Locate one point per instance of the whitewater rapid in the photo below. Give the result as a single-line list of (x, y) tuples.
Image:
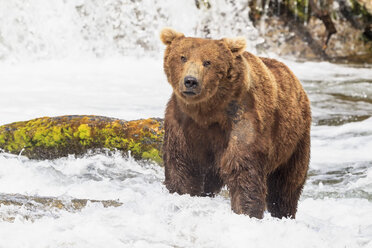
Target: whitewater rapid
[(104, 58), (335, 209)]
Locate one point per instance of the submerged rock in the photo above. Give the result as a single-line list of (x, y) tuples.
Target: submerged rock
[(35, 207), (54, 137)]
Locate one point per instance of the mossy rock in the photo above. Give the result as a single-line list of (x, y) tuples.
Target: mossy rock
[(54, 137)]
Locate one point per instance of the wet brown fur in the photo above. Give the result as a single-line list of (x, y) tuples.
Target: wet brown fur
[(249, 128)]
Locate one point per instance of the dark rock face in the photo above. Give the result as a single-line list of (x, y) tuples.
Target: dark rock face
[(368, 32), (335, 30)]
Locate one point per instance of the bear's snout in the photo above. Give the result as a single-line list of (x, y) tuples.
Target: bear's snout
[(191, 84)]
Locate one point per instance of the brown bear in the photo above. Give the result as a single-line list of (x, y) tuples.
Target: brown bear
[(234, 119)]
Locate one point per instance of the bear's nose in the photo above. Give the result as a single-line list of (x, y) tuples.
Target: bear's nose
[(190, 82)]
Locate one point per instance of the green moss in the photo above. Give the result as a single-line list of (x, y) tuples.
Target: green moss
[(67, 132), (84, 134), (116, 142), (59, 136), (20, 140), (134, 147), (153, 155), (112, 137), (2, 139), (49, 135)]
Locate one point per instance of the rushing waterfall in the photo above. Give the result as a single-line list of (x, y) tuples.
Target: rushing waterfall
[(306, 11), (37, 29)]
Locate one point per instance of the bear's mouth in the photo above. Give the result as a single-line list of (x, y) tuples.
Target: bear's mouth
[(188, 93)]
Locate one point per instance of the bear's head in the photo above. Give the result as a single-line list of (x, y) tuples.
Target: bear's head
[(199, 68)]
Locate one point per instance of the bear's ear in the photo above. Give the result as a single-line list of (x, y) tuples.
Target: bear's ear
[(236, 45), (167, 35)]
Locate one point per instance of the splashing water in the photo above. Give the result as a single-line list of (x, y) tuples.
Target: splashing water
[(35, 29), (334, 210), (306, 12), (78, 46)]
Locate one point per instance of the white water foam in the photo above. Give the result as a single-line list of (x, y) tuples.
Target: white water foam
[(150, 216), (66, 38), (329, 215), (351, 142)]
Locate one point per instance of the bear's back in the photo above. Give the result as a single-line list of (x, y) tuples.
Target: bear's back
[(292, 115), (286, 81)]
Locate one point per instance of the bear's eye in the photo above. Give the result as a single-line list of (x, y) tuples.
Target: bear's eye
[(183, 59), (206, 63)]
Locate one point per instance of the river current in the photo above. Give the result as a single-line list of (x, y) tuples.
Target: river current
[(104, 58), (335, 209)]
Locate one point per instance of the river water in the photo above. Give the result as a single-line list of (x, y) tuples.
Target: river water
[(335, 209), (103, 58)]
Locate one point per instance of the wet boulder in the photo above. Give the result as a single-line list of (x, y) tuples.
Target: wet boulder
[(54, 137)]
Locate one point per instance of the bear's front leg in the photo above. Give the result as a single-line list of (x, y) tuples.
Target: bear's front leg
[(182, 174), (243, 171), (247, 187)]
